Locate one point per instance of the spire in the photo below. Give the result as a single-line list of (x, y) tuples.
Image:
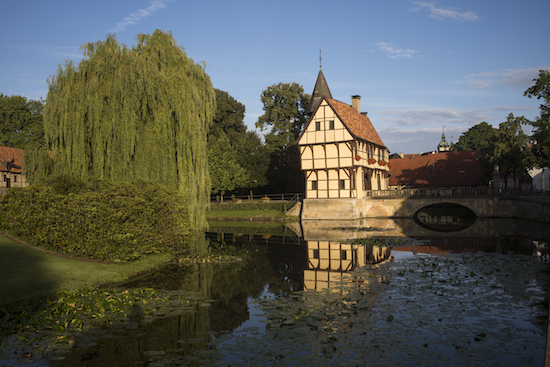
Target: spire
[(321, 90), (443, 146)]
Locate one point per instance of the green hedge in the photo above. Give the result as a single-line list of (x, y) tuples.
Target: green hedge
[(99, 220), (279, 206)]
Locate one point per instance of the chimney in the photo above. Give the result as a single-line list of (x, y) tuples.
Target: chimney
[(402, 155), (356, 103)]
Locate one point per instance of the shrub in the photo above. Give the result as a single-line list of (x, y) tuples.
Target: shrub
[(99, 220)]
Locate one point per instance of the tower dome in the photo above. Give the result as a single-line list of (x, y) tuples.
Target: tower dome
[(443, 146)]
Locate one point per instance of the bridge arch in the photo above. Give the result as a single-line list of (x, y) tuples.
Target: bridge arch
[(433, 201)]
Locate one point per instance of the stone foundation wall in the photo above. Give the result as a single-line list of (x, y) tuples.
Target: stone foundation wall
[(526, 208)]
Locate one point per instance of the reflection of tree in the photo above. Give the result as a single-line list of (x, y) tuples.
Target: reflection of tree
[(160, 335), (288, 263), (285, 263)]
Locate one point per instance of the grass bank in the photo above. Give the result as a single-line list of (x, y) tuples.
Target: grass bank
[(255, 211), (29, 273)]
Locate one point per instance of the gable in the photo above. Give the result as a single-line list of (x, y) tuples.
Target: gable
[(348, 125), (324, 127)]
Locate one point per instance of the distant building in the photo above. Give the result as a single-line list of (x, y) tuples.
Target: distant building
[(541, 179), (446, 169), (11, 167)]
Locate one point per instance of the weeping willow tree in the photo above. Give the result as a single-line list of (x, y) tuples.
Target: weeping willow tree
[(124, 114)]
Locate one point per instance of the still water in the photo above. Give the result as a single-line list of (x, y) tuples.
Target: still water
[(381, 292)]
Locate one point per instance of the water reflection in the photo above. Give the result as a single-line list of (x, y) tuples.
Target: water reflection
[(330, 294), (330, 262), (445, 217)]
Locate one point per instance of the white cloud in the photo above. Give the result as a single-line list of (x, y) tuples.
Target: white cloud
[(397, 53), (136, 17), (426, 118), (514, 78), (445, 14)]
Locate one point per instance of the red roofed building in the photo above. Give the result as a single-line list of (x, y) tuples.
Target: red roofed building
[(447, 169), (11, 167), (341, 153)]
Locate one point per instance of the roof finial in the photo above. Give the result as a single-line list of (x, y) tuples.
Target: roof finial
[(319, 58)]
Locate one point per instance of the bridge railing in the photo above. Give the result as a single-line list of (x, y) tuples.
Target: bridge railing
[(431, 192)]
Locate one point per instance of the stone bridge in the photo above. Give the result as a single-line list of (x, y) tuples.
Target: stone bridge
[(405, 204)]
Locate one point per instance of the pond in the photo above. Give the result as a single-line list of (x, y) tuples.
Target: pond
[(381, 292)]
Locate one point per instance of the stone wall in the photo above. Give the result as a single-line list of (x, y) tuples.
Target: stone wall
[(527, 208)]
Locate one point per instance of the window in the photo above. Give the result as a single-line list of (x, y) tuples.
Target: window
[(352, 183), (314, 185), (317, 125), (331, 125), (342, 184), (315, 253), (14, 178), (343, 255)]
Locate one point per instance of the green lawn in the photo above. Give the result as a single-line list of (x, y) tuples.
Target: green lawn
[(27, 273), (244, 214)]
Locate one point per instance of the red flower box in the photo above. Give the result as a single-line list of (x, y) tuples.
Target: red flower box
[(357, 157), (372, 160), (382, 163)]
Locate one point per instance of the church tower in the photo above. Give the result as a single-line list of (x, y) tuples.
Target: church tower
[(443, 146)]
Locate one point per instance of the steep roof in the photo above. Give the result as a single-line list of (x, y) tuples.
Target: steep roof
[(11, 159), (320, 90), (358, 124), (449, 169)]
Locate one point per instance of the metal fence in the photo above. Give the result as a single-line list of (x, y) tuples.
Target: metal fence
[(431, 192), (258, 198), (396, 193), (454, 192)]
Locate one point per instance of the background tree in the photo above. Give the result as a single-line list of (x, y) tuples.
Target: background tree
[(508, 149), (237, 157), (20, 121), (284, 105), (477, 137), (541, 125), (225, 172), (124, 114), (284, 111)]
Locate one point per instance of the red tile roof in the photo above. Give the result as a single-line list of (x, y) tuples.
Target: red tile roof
[(449, 169), (12, 158), (359, 125)]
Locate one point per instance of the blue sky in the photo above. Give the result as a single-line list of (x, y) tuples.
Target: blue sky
[(418, 65)]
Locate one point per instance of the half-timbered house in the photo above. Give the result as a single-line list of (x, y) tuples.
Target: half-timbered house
[(341, 153)]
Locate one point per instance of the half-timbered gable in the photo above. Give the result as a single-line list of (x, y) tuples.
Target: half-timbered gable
[(341, 153)]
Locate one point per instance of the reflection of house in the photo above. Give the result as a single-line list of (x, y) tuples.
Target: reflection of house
[(340, 151), (328, 261), (446, 169), (11, 160)]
